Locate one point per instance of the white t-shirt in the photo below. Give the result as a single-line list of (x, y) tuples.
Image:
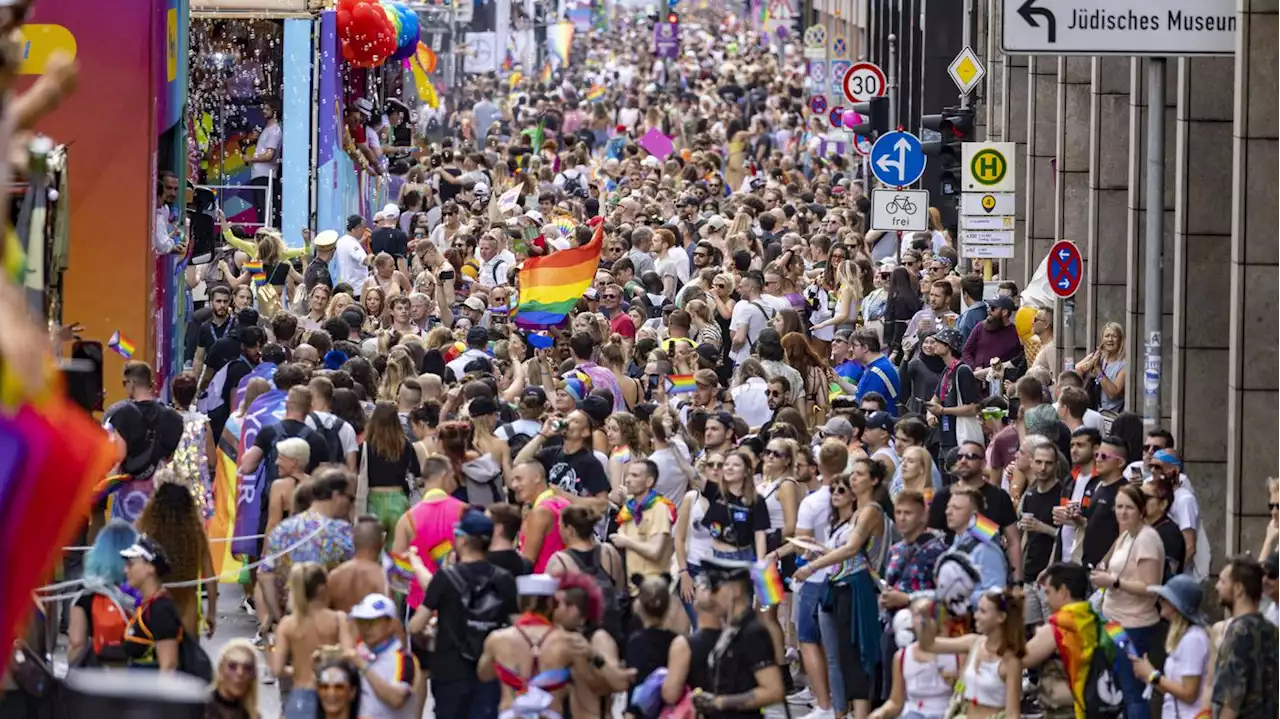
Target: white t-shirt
[(1069, 530), (755, 316), (672, 483), (815, 516), (349, 256), (750, 401), (674, 263), (271, 138), (1189, 659)]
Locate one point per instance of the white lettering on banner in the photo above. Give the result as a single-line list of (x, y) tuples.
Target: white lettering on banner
[(248, 492)]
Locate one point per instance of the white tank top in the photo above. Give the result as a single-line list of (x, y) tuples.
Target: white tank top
[(698, 543), (982, 683), (769, 490), (928, 694)]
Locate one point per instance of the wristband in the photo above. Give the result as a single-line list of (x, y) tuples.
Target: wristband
[(1155, 677)]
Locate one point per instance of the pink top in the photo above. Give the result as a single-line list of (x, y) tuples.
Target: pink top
[(553, 542), (433, 534)]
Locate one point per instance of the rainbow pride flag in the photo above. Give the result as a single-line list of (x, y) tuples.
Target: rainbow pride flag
[(544, 77), (560, 40), (1077, 636), (680, 384), (767, 581), (596, 93), (122, 345), (550, 286), (984, 529)]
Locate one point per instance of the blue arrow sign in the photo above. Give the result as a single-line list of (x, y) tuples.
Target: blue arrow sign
[(1065, 268), (897, 159)]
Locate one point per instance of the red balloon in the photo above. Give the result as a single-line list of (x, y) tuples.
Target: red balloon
[(344, 21), (348, 54), (363, 12)]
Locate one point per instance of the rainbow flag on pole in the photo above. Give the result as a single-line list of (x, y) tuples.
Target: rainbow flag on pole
[(596, 93), (121, 345), (560, 40), (767, 581), (551, 285), (984, 529)]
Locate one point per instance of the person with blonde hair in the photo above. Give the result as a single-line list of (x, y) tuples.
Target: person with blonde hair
[(235, 683), (1106, 366), (310, 626), (292, 457), (337, 303), (915, 472)]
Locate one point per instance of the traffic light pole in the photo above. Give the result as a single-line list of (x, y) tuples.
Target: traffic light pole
[(1153, 306), (891, 91)]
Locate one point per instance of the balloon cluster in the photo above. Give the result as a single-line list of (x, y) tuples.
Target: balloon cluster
[(375, 32)]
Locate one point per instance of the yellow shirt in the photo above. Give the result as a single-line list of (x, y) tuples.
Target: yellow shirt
[(652, 523)]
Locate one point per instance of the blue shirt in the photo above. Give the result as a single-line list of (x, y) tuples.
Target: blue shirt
[(988, 557), (871, 382), (971, 317), (850, 370)]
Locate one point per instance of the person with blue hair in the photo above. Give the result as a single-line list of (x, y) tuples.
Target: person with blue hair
[(104, 594)]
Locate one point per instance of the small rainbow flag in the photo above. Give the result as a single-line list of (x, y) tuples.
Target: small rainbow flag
[(1116, 632), (441, 552), (622, 454), (680, 384), (596, 93), (107, 485), (544, 77), (768, 584), (401, 563), (253, 266), (984, 529), (551, 285), (121, 345)]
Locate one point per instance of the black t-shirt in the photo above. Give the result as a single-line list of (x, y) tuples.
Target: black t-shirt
[(701, 643), (580, 473), (210, 333), (389, 240), (161, 620), (646, 651), (443, 598), (731, 520), (1037, 548), (999, 508), (286, 428), (391, 473), (510, 560), (1175, 546), (1098, 505), (735, 670), (956, 388), (449, 190)]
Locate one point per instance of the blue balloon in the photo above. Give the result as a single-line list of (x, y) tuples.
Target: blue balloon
[(407, 39)]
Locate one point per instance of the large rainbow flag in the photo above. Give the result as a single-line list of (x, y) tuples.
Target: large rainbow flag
[(1077, 630), (550, 286), (560, 41)]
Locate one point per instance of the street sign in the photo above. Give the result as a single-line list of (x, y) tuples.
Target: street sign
[(839, 47), (988, 203), (966, 71), (1066, 268), (666, 40), (815, 42), (986, 237), (900, 210), (897, 159), (818, 74), (835, 75), (818, 103), (863, 81), (835, 118), (862, 145), (987, 252), (983, 222), (1119, 27), (988, 167)]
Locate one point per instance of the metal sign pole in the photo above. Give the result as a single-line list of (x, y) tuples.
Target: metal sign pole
[(1153, 307), (967, 35)]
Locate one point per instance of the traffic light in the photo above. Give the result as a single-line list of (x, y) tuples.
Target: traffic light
[(875, 117), (954, 126), (673, 18)]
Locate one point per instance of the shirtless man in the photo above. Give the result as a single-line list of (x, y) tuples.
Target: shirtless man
[(540, 534), (310, 626), (598, 674), (539, 682), (361, 575)]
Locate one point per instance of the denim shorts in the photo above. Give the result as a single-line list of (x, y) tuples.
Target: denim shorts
[(810, 596)]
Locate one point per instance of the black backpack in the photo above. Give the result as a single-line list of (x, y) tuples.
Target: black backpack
[(332, 437), (1102, 693), (483, 609), (617, 600)]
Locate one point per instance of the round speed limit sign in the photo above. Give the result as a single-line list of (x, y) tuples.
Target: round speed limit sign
[(863, 81)]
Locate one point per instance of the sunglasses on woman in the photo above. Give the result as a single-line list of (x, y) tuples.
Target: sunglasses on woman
[(839, 489), (235, 667)]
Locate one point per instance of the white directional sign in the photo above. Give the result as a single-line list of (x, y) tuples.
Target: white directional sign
[(986, 252), (1119, 27), (986, 237), (982, 222), (900, 210)]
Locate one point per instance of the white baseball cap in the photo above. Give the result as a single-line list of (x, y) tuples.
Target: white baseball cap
[(390, 211), (374, 606)]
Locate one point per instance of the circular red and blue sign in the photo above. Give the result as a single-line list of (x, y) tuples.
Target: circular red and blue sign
[(818, 104), (836, 116), (1066, 268)]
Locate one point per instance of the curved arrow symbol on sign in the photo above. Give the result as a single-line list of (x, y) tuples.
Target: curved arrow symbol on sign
[(1029, 11), (902, 146)]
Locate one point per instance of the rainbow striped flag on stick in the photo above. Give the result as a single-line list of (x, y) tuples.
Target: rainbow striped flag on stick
[(551, 285), (121, 345), (984, 529), (768, 584)]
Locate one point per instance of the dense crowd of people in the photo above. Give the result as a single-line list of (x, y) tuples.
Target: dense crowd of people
[(769, 456)]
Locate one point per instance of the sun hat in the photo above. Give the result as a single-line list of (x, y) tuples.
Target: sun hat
[(1185, 594)]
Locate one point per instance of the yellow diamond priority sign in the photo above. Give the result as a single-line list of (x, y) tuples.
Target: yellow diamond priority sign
[(965, 71)]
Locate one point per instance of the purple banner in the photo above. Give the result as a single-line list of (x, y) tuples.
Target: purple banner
[(266, 410), (666, 40)]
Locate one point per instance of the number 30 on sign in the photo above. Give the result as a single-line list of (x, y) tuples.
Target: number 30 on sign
[(863, 81)]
